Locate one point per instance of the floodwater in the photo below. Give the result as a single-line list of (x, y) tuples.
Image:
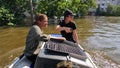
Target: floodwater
[(101, 35), (98, 35)]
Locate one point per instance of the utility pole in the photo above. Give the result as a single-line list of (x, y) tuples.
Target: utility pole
[(31, 11)]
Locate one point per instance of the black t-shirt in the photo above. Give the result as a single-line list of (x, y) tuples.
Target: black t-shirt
[(68, 36)]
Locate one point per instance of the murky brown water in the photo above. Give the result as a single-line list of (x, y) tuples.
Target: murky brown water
[(98, 35), (101, 36)]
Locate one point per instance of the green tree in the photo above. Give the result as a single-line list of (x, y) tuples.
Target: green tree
[(85, 5), (55, 7), (49, 7), (118, 10), (52, 7), (5, 16), (113, 10), (16, 7)]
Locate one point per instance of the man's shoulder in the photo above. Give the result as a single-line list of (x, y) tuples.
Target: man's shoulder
[(61, 22), (72, 22)]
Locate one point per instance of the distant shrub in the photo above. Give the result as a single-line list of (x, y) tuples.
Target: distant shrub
[(5, 16)]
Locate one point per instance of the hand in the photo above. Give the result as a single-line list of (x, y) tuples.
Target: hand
[(67, 29), (62, 38)]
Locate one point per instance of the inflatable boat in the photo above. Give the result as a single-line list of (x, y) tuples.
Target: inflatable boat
[(57, 54)]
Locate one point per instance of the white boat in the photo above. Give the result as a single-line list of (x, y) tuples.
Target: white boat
[(53, 53)]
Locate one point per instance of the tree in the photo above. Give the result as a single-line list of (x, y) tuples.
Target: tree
[(57, 8), (85, 5), (5, 16), (52, 7), (110, 9), (49, 7), (16, 7), (113, 10), (118, 10)]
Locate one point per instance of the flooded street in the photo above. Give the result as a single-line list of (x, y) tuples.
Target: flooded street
[(100, 36)]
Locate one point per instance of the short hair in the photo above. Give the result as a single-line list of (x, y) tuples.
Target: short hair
[(67, 13)]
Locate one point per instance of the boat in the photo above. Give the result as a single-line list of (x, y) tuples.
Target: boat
[(55, 53)]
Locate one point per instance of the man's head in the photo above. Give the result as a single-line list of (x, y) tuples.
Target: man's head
[(68, 12), (69, 15)]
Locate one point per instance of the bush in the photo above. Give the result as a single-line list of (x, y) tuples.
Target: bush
[(5, 16)]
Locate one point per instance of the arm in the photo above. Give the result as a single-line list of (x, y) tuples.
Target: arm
[(59, 28), (57, 38), (75, 36), (45, 38), (66, 29)]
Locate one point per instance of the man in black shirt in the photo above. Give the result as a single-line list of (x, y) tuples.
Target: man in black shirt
[(67, 27)]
